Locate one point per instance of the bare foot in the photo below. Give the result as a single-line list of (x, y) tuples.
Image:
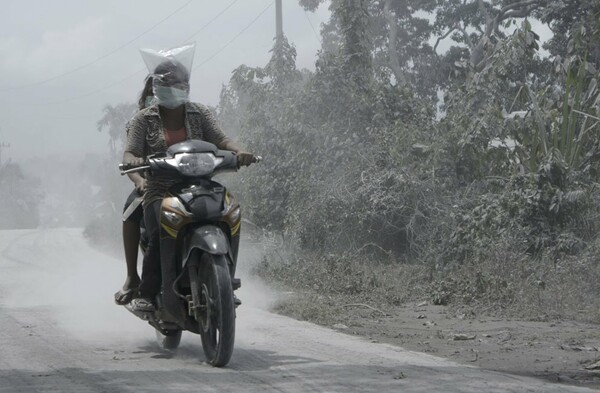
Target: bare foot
[(128, 292)]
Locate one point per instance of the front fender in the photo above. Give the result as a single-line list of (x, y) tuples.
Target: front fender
[(208, 238)]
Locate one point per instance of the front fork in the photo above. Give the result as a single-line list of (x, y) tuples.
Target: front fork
[(198, 302), (196, 307), (235, 246)]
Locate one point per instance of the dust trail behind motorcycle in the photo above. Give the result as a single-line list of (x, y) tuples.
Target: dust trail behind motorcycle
[(61, 332), (57, 269)]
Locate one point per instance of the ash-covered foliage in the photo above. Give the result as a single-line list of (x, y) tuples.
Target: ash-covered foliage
[(105, 213), (478, 162), (20, 195)]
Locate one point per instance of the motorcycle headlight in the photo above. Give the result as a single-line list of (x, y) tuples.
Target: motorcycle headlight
[(197, 164)]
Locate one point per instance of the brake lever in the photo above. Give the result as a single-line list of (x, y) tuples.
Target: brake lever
[(124, 170)]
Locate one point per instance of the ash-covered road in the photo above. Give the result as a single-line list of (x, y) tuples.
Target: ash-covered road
[(60, 332)]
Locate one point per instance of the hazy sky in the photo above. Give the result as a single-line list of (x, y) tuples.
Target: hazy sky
[(62, 61)]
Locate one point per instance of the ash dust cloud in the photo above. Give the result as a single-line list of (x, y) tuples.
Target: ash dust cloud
[(66, 258)]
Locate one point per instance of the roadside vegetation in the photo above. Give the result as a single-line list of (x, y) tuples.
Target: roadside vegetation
[(399, 171), (440, 151), (20, 196)]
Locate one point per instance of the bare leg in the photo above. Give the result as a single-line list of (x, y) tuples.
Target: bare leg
[(131, 241)]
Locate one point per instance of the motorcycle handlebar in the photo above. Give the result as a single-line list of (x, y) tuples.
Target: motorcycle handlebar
[(254, 160), (130, 168)]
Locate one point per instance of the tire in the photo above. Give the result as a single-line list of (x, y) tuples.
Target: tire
[(217, 326), (169, 341)]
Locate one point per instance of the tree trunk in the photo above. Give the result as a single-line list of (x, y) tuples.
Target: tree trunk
[(392, 49)]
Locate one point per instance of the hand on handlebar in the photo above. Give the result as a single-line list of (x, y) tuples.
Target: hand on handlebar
[(245, 158), (133, 161), (131, 164)]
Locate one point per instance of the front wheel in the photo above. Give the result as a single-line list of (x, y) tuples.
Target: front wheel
[(169, 341), (217, 319)]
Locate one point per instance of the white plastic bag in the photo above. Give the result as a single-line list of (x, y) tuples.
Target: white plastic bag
[(182, 54), (170, 70)]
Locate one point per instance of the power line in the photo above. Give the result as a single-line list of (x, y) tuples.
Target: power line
[(88, 94), (312, 27), (116, 83), (142, 69), (210, 21), (235, 37), (99, 58)]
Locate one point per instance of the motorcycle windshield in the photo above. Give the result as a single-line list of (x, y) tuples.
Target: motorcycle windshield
[(191, 146)]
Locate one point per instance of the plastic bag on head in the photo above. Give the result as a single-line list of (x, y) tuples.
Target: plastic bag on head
[(170, 71), (183, 55)]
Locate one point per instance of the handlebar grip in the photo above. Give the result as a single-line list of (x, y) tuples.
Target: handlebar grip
[(253, 160), (128, 168)]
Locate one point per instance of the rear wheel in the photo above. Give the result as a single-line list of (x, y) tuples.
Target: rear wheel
[(170, 340), (217, 316)]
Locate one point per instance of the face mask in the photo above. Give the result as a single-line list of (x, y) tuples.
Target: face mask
[(150, 100), (171, 97)]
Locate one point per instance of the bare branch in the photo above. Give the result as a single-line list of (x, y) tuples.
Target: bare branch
[(585, 114), (465, 34), (519, 5), (388, 253), (484, 11), (518, 13), (519, 9), (367, 306), (437, 42)]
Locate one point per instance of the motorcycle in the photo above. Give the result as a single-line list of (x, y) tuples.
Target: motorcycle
[(199, 241)]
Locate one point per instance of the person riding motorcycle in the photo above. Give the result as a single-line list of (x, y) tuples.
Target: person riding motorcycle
[(152, 130), (131, 227)]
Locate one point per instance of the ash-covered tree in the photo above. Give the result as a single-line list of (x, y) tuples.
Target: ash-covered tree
[(114, 120), (330, 131), (477, 24), (566, 18), (113, 189), (257, 100), (20, 195)]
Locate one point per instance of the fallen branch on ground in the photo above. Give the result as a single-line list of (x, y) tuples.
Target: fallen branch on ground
[(367, 306)]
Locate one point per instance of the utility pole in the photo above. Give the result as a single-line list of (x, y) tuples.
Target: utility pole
[(279, 19), (3, 146)]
